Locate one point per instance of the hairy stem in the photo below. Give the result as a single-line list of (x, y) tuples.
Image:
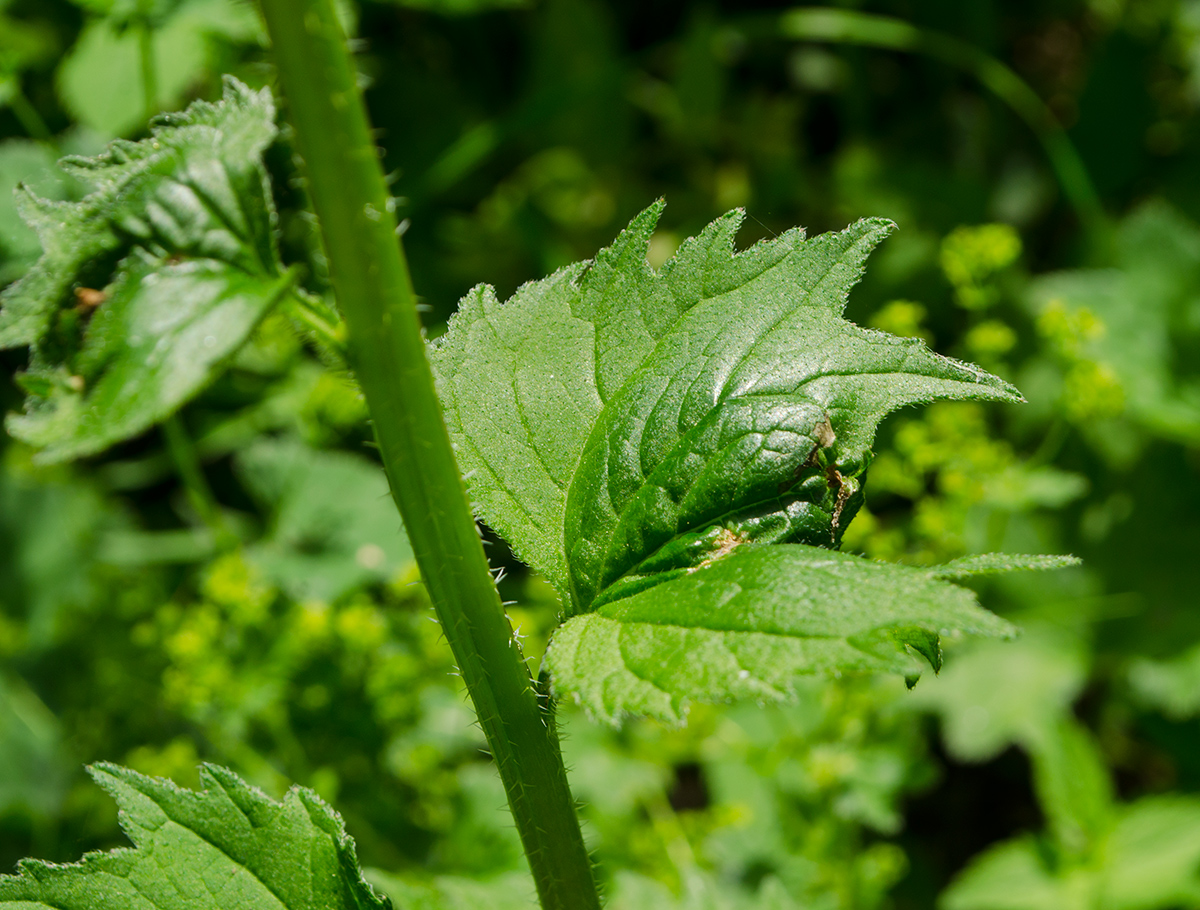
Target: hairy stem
[(387, 352)]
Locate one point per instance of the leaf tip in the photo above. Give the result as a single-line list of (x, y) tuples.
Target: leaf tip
[(983, 564), (103, 770)]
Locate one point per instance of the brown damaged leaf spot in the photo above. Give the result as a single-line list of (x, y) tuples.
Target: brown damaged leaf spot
[(725, 542), (87, 299), (844, 488), (825, 438)]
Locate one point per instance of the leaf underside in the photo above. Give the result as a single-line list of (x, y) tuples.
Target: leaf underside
[(638, 435), (226, 845), (149, 284)]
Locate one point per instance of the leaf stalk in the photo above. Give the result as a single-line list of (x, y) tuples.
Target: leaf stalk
[(183, 453)]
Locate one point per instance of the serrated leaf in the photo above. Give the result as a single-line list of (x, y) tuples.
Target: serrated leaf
[(147, 285), (640, 436), (747, 624), (22, 161), (226, 845), (620, 425), (159, 338), (195, 188), (999, 563)]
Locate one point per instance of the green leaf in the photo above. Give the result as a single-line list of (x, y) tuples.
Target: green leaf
[(1012, 876), (333, 524), (621, 426), (149, 284), (998, 563), (638, 436), (28, 162), (162, 334), (1155, 854), (746, 625), (100, 79), (1171, 685), (226, 845), (1148, 862), (1138, 321), (1043, 674), (1073, 785)]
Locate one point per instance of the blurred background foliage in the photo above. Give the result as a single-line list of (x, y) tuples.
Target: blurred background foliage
[(1040, 159)]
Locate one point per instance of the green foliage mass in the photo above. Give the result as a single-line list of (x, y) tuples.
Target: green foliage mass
[(334, 528), (1057, 769), (1123, 364), (147, 285)]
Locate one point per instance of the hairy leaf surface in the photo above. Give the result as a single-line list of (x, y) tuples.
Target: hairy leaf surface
[(621, 425), (226, 845), (747, 624), (641, 436), (147, 285)]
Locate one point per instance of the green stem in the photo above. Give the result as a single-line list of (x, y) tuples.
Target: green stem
[(848, 27), (145, 35), (199, 493), (324, 325), (28, 115), (387, 352), (1051, 444)]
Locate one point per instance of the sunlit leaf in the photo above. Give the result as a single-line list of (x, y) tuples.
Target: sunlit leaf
[(624, 428), (749, 623), (148, 285), (226, 845)]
